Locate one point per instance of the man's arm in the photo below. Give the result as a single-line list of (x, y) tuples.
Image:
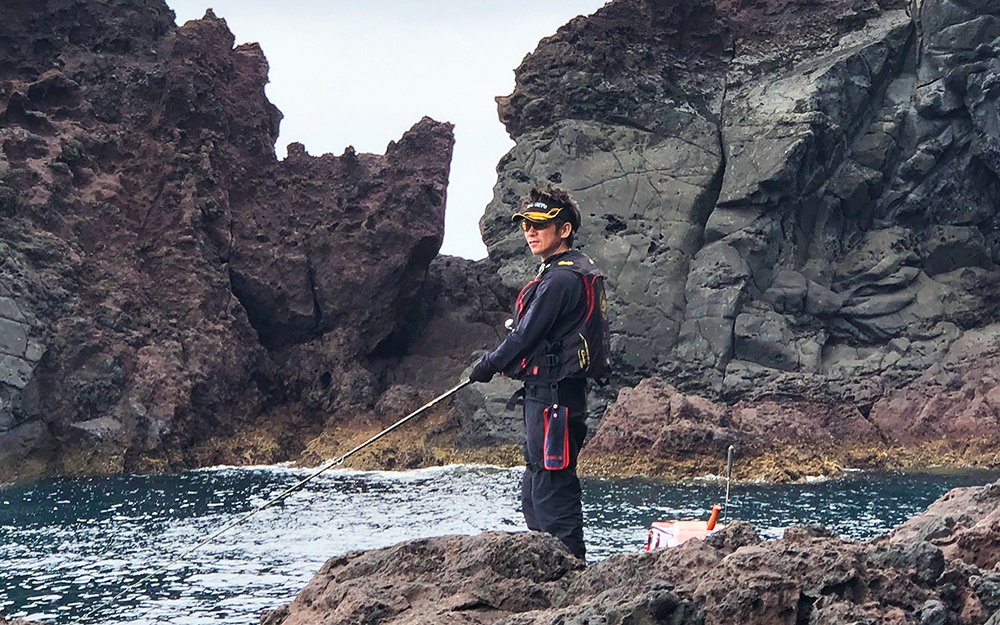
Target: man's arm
[(554, 297)]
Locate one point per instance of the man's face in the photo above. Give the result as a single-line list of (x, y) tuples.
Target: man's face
[(544, 238)]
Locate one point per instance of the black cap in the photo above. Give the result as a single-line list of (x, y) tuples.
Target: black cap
[(541, 212)]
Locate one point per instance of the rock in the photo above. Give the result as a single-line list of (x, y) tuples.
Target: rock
[(15, 372), (794, 204), (959, 523), (99, 429), (850, 212), (454, 579), (766, 339), (808, 575), (646, 245), (821, 301), (919, 561), (655, 418), (947, 248), (987, 588), (172, 294), (788, 292), (460, 309), (933, 613), (298, 274), (654, 429), (556, 83), (857, 187), (482, 416), (951, 401), (716, 286), (879, 145), (882, 258)]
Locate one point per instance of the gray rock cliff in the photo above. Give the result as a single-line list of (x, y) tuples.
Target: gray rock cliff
[(790, 199)]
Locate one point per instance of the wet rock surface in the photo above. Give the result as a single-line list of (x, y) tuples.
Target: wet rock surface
[(939, 567)]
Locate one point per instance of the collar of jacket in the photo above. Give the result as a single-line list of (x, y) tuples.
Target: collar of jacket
[(548, 263)]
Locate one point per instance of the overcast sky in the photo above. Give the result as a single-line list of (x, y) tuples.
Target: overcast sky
[(362, 72)]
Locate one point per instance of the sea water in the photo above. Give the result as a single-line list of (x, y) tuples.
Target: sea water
[(106, 550)]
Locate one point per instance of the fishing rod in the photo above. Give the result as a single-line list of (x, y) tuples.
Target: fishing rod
[(729, 475), (329, 464)]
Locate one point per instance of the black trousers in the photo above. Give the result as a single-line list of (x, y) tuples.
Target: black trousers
[(551, 500)]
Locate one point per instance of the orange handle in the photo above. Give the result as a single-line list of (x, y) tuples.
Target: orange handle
[(715, 516)]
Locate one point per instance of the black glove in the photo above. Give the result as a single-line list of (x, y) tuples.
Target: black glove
[(482, 372)]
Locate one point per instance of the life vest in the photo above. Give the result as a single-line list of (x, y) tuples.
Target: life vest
[(585, 350)]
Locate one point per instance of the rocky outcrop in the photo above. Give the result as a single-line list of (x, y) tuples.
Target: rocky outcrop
[(653, 429), (795, 204), (171, 294), (962, 524), (936, 568)]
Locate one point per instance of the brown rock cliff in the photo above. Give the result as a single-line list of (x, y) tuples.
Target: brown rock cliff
[(172, 294)]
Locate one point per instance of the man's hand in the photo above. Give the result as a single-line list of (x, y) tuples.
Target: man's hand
[(482, 372)]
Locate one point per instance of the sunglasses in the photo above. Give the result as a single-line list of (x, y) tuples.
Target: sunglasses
[(535, 225)]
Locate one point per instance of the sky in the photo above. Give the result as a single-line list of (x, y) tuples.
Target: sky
[(361, 72)]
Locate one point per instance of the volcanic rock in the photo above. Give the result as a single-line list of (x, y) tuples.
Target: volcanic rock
[(808, 576), (963, 524), (794, 202), (654, 429), (171, 294)]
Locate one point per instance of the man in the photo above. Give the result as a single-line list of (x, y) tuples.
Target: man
[(558, 339)]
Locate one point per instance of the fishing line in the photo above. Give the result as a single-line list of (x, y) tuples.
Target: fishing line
[(329, 464)]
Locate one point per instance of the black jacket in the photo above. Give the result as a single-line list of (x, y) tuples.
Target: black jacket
[(554, 304)]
